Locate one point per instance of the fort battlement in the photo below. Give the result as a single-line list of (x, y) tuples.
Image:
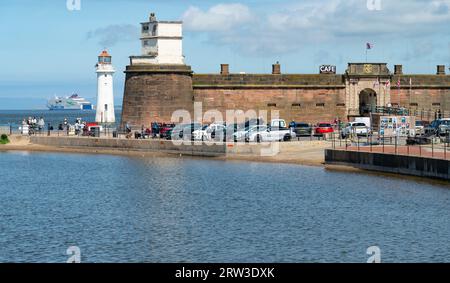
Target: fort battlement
[(155, 86)]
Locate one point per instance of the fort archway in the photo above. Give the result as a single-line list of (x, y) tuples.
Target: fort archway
[(367, 101)]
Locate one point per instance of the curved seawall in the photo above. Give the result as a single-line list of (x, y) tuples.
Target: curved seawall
[(391, 163)]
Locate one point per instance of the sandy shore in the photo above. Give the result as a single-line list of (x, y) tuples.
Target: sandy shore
[(306, 154)]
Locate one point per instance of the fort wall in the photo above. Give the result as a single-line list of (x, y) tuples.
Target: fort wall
[(154, 92)]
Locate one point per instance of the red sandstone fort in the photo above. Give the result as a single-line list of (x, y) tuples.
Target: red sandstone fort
[(159, 83)]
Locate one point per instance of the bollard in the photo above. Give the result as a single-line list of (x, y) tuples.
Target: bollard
[(445, 151), (358, 142), (432, 148), (395, 144)]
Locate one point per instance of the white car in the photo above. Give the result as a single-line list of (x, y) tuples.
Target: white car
[(355, 128), (242, 134), (200, 134), (214, 132), (266, 134)]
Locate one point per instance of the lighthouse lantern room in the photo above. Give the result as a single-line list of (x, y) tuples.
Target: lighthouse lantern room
[(105, 95)]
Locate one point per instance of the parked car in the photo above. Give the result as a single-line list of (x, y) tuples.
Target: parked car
[(355, 128), (323, 128), (165, 131), (420, 127), (269, 134), (431, 129), (241, 135), (184, 131), (216, 132), (438, 127), (200, 134), (444, 127), (302, 129)]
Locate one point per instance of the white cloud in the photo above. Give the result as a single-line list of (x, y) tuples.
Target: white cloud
[(221, 17), (309, 22), (113, 34)]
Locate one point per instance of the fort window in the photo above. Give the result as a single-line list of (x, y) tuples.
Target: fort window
[(414, 104), (340, 105), (272, 105), (436, 104), (296, 105), (320, 104)]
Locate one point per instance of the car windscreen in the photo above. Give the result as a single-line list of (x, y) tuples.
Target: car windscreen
[(359, 125), (324, 125), (302, 126)]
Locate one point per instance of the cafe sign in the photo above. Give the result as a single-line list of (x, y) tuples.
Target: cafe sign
[(327, 69)]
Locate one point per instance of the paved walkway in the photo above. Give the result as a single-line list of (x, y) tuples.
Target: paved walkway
[(438, 152)]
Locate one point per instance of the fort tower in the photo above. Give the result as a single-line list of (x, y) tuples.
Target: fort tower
[(157, 82)]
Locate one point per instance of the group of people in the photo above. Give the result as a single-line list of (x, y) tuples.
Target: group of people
[(80, 126), (34, 123)]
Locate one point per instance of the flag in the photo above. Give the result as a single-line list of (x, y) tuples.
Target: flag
[(369, 45), (398, 83), (376, 83), (410, 81), (388, 84)]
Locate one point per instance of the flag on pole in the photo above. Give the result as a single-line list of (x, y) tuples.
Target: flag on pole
[(398, 83), (376, 83), (369, 45), (388, 84)]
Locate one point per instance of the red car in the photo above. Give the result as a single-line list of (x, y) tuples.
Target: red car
[(324, 128), (166, 130)]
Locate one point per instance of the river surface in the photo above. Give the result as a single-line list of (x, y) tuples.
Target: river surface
[(131, 209)]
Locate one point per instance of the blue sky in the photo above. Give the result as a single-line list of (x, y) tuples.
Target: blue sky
[(48, 49)]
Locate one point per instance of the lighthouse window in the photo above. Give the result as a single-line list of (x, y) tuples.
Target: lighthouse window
[(106, 75)]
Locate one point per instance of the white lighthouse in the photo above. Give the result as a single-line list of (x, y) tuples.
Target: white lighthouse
[(105, 95)]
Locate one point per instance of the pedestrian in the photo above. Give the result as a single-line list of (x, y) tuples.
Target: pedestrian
[(41, 124)]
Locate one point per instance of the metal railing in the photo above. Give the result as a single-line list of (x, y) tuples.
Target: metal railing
[(421, 146)]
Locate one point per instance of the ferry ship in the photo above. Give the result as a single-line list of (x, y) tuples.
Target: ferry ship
[(73, 102)]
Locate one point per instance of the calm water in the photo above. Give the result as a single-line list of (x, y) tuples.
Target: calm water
[(123, 209)]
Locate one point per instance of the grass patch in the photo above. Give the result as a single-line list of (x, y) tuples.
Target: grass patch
[(4, 139)]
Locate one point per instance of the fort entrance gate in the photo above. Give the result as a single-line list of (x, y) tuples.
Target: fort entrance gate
[(367, 86)]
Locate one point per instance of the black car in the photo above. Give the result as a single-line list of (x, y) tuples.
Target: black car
[(302, 129)]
